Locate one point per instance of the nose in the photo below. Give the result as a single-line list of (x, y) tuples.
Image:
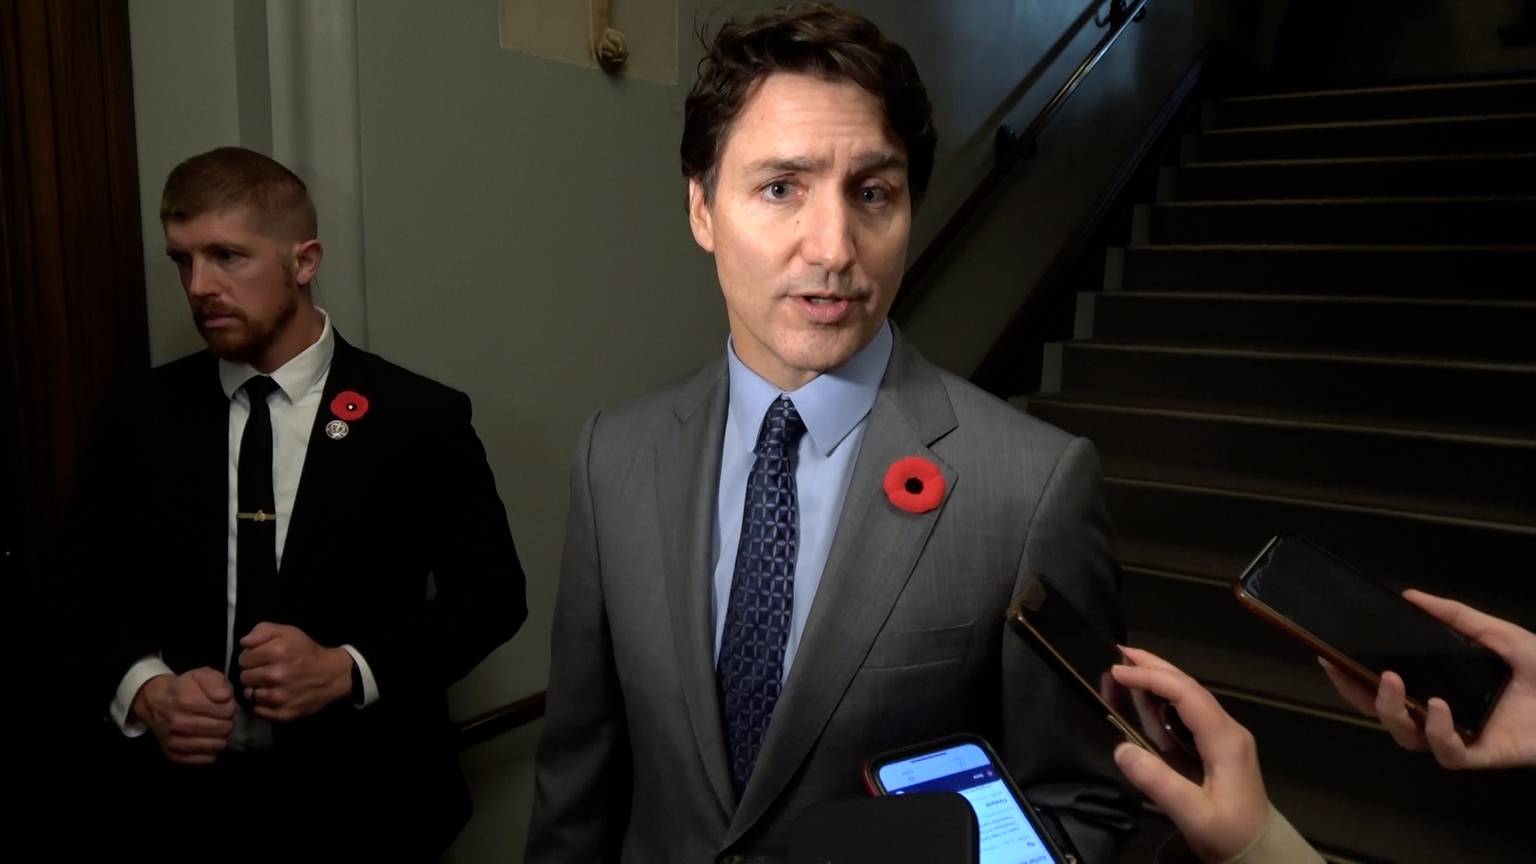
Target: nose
[(827, 239), (199, 281)]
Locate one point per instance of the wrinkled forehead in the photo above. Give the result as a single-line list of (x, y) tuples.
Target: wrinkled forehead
[(807, 122), (235, 224)]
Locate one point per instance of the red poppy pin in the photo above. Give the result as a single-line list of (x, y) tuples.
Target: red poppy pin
[(348, 405), (914, 484)]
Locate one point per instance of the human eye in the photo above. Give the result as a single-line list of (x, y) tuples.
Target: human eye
[(225, 255), (874, 195), (781, 189)]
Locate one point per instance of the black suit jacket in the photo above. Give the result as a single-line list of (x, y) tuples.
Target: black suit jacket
[(401, 507)]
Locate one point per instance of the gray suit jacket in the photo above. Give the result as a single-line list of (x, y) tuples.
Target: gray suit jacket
[(906, 640)]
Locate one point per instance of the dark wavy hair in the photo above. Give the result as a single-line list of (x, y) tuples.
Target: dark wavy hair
[(807, 38)]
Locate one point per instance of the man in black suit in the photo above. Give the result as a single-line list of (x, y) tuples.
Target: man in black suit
[(294, 547)]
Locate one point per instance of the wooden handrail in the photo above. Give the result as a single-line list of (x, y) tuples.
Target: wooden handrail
[(512, 715), (1011, 149)]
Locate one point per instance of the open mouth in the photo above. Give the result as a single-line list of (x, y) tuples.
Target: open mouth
[(824, 309)]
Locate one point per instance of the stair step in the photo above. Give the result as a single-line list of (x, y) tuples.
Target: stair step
[(1379, 103), (1468, 476), (1418, 136), (1490, 174), (1466, 272), (1487, 220), (1215, 533), (1349, 785), (1323, 327), (1198, 625), (1454, 329), (1479, 398)]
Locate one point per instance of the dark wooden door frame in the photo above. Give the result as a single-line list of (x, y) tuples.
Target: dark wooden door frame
[(71, 255)]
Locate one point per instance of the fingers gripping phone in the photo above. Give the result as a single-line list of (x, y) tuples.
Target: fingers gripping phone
[(1010, 829), (1365, 628), (1083, 658)]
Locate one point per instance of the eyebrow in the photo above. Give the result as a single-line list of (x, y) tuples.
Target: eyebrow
[(787, 165), (172, 251), (878, 160)]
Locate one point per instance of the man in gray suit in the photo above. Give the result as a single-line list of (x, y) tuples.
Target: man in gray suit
[(801, 555)]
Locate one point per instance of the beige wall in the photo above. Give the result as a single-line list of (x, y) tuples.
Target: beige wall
[(184, 102), (520, 229)]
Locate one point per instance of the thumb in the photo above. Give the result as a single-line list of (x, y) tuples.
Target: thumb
[(213, 683), (260, 634), (1172, 793)]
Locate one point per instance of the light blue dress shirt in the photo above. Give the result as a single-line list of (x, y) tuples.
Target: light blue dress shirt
[(835, 407)]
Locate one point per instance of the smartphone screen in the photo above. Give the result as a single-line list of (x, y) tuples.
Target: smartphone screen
[(1356, 616), (1008, 834), (1084, 657)]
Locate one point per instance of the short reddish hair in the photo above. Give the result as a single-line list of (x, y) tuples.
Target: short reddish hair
[(231, 177)]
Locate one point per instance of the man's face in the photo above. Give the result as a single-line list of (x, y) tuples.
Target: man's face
[(808, 223), (243, 284)]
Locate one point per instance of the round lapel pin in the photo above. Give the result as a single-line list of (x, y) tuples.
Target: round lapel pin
[(337, 429)]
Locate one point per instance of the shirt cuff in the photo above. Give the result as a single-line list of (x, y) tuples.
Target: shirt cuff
[(370, 687), (148, 666), (1278, 843)]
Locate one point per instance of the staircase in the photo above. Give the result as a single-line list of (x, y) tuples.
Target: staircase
[(1326, 324)]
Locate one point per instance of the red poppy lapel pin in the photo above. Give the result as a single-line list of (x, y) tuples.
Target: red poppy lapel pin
[(348, 406), (914, 484)]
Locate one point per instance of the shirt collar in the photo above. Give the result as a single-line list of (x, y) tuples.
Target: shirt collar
[(296, 377), (831, 404)]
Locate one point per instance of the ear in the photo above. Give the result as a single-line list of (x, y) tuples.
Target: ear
[(306, 261), (700, 219)]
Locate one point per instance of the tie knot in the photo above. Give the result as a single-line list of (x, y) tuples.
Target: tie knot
[(782, 426), (259, 387)]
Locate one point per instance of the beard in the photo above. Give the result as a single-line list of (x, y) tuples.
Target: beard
[(244, 341)]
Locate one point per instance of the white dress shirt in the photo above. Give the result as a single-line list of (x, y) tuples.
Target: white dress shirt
[(300, 390)]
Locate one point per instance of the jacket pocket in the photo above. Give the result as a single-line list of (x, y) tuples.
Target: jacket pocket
[(918, 647)]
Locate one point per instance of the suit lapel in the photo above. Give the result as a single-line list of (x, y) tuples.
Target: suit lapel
[(873, 553), (687, 481), (325, 460), (208, 415)]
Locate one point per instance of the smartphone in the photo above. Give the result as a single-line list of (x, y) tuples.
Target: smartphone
[(1083, 657), (1011, 831), (1366, 628)]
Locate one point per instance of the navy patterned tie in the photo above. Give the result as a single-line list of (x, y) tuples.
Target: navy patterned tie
[(750, 671)]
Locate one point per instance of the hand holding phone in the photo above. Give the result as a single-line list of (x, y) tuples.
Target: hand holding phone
[(1365, 630), (1084, 660), (1508, 738), (1223, 815)]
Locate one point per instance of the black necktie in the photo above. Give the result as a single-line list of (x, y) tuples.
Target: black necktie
[(750, 672), (256, 523)]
